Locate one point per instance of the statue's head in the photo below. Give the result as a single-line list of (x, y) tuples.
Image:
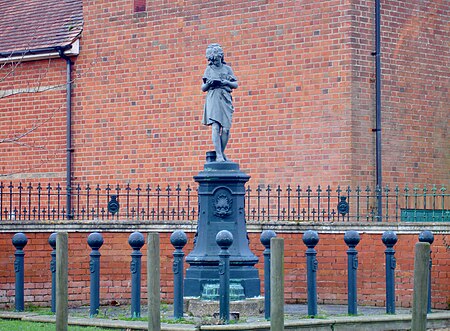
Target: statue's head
[(213, 51)]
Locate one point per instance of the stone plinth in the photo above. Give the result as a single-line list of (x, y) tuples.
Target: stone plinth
[(201, 308)]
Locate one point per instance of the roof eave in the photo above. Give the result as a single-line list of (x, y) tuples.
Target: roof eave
[(72, 49)]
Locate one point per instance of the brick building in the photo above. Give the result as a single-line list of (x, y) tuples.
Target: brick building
[(305, 106)]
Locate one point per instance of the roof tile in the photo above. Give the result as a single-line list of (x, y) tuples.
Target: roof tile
[(34, 24)]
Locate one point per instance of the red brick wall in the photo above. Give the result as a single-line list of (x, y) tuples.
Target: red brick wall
[(39, 117), (304, 109), (415, 90), (331, 276)]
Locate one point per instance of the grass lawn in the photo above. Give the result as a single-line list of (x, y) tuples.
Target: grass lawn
[(18, 325)]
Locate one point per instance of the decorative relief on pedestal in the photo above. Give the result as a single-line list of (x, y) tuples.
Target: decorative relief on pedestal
[(222, 205)]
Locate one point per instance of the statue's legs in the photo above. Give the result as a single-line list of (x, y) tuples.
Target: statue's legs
[(225, 135), (217, 141)]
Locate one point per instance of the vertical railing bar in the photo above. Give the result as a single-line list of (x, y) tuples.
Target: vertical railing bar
[(367, 202), (318, 203), (349, 190), (308, 190), (58, 189), (328, 201), (88, 190), (127, 189), (107, 189), (30, 187), (443, 189), (406, 189), (298, 190), (278, 203), (188, 189), (178, 189), (248, 192), (138, 190), (338, 191), (148, 189), (97, 190), (20, 200), (11, 186), (433, 200), (387, 190), (78, 201), (379, 192), (118, 189), (396, 202), (289, 201), (268, 202), (358, 191), (1, 200), (39, 188), (415, 189), (49, 188), (259, 201), (168, 189), (158, 190), (425, 190)]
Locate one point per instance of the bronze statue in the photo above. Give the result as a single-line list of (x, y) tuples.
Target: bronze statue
[(218, 81)]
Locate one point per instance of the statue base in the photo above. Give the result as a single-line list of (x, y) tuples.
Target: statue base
[(221, 197)]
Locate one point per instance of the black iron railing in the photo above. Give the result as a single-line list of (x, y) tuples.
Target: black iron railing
[(263, 203)]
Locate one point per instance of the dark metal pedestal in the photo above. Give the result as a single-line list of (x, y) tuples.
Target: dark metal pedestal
[(221, 196)]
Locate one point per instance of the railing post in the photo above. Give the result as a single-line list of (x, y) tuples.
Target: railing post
[(277, 284), (427, 236), (95, 241), (310, 239), (351, 238), (52, 243), (136, 241), (178, 239), (421, 268), (389, 239), (266, 235), (19, 241), (224, 239), (62, 264), (153, 282)]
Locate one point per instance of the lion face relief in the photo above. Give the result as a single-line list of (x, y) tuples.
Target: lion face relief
[(222, 205)]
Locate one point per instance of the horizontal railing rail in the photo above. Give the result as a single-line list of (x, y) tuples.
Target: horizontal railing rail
[(263, 203)]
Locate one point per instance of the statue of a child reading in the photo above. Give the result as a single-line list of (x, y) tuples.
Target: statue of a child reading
[(218, 81)]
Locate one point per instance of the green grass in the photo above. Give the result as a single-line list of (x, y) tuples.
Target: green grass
[(18, 325)]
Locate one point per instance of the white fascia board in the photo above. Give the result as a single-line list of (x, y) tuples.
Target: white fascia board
[(73, 51)]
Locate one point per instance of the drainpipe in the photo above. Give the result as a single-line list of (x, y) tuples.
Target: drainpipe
[(377, 129), (69, 149)]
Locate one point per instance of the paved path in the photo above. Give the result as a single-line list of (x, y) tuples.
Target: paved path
[(331, 317)]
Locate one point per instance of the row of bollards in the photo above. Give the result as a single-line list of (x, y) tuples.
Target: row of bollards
[(224, 239), (352, 238), (95, 241)]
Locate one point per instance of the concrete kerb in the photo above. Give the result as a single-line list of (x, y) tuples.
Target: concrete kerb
[(435, 321)]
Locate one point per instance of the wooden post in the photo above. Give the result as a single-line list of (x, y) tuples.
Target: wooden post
[(277, 284), (153, 282), (61, 281), (420, 295)]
